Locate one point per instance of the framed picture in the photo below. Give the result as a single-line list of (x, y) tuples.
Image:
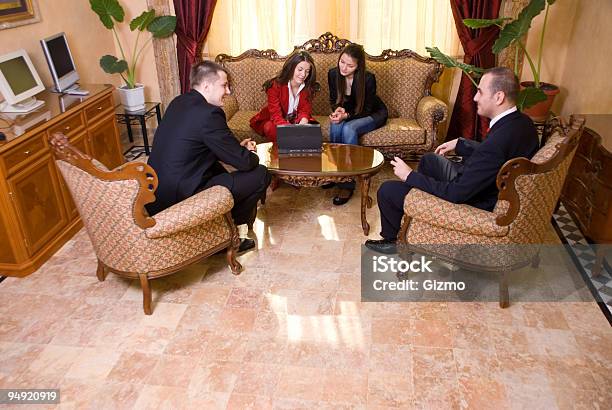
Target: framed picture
[(14, 13)]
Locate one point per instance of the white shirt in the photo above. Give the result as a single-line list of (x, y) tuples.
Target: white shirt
[(293, 100), (501, 115)]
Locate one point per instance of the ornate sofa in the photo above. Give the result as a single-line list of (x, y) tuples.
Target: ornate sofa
[(404, 81), (495, 241)]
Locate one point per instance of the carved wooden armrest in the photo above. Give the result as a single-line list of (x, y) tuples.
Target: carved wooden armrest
[(430, 112), (456, 217), (193, 211), (230, 106)]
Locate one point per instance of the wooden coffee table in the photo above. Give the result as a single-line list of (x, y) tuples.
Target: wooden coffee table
[(337, 163)]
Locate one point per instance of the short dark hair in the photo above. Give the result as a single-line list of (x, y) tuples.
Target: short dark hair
[(504, 79), (204, 71)]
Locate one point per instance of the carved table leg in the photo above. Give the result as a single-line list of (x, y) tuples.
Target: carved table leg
[(366, 201)]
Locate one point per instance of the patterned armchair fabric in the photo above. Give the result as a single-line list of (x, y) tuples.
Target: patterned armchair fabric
[(129, 242), (529, 191), (403, 78)]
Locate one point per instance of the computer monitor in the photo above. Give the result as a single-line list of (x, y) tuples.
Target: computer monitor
[(61, 64), (19, 83)]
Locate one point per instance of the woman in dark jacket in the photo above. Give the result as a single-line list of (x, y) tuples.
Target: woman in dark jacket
[(356, 109)]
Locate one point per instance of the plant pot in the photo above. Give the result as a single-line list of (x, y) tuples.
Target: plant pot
[(132, 99), (539, 112)]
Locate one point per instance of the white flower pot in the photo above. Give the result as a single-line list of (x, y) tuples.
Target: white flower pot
[(132, 99)]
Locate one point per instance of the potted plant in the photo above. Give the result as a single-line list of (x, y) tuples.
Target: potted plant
[(536, 97), (111, 13)]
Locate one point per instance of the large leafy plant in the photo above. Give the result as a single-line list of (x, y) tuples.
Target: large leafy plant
[(111, 13), (511, 32)]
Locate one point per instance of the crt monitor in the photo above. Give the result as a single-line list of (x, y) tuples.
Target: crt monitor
[(19, 83), (60, 61)]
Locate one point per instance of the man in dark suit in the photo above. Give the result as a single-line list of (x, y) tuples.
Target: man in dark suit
[(511, 134), (191, 140)]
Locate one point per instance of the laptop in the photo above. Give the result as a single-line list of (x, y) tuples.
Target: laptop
[(299, 139)]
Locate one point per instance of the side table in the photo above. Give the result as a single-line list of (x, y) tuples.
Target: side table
[(140, 117)]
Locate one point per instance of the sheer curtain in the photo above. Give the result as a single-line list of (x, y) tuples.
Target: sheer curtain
[(239, 25)]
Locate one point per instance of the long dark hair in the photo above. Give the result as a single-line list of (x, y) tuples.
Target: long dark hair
[(286, 73), (356, 52)]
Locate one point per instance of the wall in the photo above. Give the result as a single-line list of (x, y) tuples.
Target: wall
[(577, 55), (88, 40), (71, 17)]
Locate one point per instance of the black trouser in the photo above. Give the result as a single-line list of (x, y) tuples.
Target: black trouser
[(247, 187), (391, 194)]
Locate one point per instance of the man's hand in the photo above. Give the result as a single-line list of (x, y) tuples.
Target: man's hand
[(303, 121), (446, 147), (249, 144), (400, 168)]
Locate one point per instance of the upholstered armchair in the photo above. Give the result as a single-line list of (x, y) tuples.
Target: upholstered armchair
[(495, 241), (126, 240)]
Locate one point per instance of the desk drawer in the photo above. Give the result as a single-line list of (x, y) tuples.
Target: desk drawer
[(95, 110), (70, 126), (24, 153)]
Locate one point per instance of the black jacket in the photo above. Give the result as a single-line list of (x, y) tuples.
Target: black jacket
[(514, 135), (372, 106), (192, 137)]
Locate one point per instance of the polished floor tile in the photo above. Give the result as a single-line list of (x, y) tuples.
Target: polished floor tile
[(291, 331)]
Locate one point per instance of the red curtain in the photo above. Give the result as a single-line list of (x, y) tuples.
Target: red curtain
[(477, 44), (193, 22)]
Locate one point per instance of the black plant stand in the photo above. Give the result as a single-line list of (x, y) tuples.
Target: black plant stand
[(139, 117)]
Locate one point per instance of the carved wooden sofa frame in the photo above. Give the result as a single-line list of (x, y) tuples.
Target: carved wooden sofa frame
[(429, 111)]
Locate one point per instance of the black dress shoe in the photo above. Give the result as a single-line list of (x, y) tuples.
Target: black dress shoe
[(343, 197), (385, 246), (328, 185), (245, 245)]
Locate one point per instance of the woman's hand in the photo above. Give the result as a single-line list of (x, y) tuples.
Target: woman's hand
[(338, 115), (303, 121)]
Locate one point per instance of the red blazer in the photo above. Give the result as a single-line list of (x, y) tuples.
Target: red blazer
[(278, 105)]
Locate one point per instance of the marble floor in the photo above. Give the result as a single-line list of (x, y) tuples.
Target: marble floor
[(291, 332)]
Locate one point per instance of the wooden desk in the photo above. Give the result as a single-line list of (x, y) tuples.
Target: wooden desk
[(37, 215), (587, 192)]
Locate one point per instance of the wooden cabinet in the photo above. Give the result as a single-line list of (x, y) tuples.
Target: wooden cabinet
[(587, 193), (37, 212), (103, 144), (38, 203)]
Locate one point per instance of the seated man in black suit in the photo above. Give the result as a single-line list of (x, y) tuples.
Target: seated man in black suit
[(191, 140), (511, 134)]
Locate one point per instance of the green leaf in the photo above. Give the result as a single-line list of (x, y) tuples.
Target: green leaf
[(108, 10), (530, 96), (111, 65), (482, 23), (450, 62), (516, 29), (162, 26), (550, 2), (142, 22)]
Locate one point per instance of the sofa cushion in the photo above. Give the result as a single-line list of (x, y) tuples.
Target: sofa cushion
[(397, 131), (239, 124), (401, 83), (247, 77)]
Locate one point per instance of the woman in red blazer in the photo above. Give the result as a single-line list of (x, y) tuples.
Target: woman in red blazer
[(289, 96)]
